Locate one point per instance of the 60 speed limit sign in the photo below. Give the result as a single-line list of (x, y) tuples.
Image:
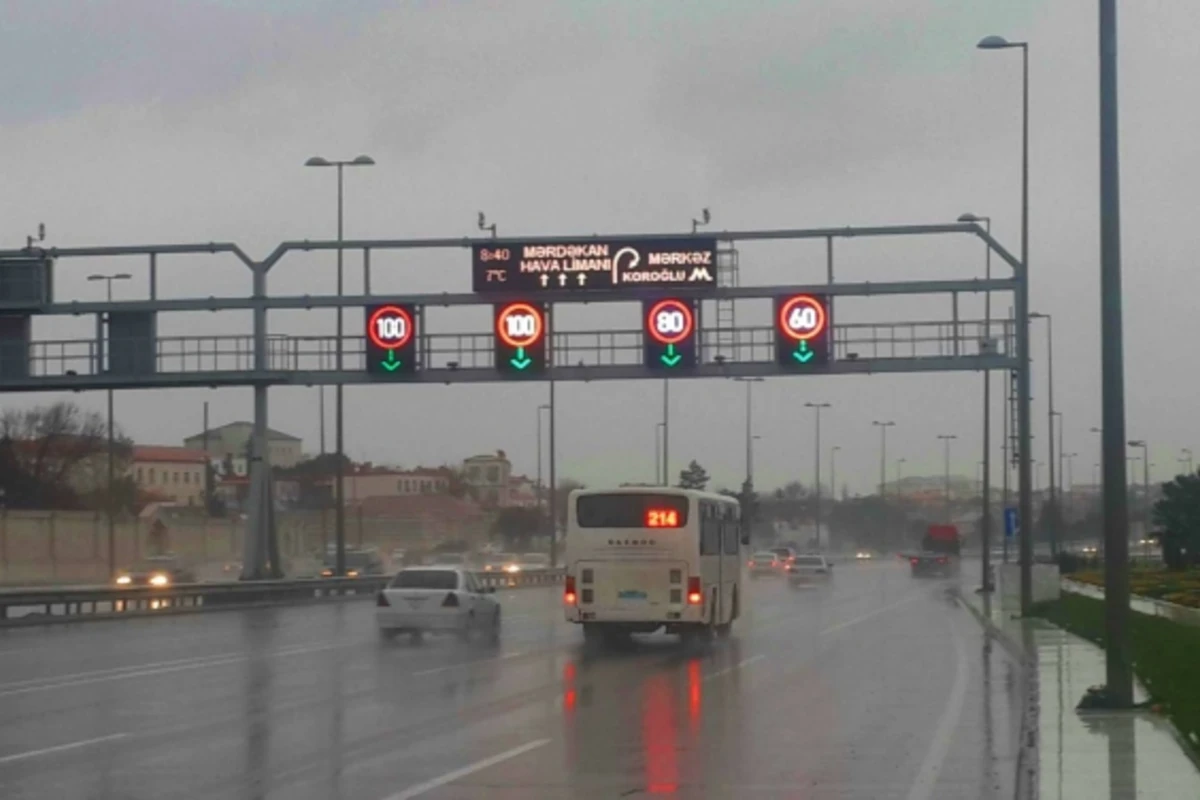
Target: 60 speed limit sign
[(801, 330)]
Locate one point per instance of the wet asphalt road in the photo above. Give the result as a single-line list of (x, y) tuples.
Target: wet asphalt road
[(875, 686)]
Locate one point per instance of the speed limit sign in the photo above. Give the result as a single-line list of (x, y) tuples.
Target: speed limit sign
[(802, 329)]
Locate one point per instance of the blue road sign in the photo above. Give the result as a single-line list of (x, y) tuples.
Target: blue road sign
[(1010, 522)]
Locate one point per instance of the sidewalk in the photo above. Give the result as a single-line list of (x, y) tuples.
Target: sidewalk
[(1091, 754)]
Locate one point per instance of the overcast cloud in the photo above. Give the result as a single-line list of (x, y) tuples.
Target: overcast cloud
[(135, 121)]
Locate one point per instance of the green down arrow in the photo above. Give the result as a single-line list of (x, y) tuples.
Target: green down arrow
[(671, 358), (520, 360), (392, 363), (803, 354)]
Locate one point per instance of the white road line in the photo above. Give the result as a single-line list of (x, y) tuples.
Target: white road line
[(462, 664), (60, 748), (736, 666), (869, 614), (135, 672), (450, 777), (927, 775)]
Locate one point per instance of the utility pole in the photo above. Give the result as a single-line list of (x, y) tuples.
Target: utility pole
[(883, 426), (817, 449)]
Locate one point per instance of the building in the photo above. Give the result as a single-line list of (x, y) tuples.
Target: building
[(232, 441), (522, 492), (432, 517), (489, 478), (371, 481), (169, 473)]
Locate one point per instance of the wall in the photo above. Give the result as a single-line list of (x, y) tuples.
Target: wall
[(72, 546)]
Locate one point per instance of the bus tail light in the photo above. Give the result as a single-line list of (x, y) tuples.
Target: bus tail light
[(694, 595), (569, 590)]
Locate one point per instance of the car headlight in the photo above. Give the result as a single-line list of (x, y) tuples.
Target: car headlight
[(159, 580), (326, 573), (124, 580), (351, 573), (513, 568)]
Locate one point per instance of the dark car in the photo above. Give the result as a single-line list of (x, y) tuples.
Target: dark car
[(359, 563), (156, 571)]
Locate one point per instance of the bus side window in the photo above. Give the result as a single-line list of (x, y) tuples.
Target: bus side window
[(731, 530), (710, 537)]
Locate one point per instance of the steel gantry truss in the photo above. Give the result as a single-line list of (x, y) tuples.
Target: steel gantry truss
[(261, 360)]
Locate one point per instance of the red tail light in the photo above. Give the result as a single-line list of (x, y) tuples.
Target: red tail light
[(569, 590), (694, 595), (750, 563), (914, 561), (382, 601), (942, 560), (451, 601)]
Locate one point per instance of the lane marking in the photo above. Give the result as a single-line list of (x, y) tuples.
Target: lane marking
[(61, 748), (55, 683), (927, 775), (462, 664), (736, 666), (869, 614), (450, 777)]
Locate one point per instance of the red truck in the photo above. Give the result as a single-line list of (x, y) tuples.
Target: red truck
[(939, 553)]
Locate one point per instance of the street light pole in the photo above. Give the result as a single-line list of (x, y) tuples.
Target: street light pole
[(985, 529), (666, 433), (1187, 456), (1021, 302), (900, 462), (833, 451), (541, 494), (111, 512), (339, 408), (749, 426), (1142, 443), (1050, 415), (946, 440), (883, 426), (817, 449), (1118, 655)]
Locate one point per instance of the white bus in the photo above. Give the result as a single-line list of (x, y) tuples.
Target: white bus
[(640, 559)]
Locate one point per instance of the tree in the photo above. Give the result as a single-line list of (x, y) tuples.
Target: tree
[(517, 525), (694, 477), (54, 456), (1177, 516)]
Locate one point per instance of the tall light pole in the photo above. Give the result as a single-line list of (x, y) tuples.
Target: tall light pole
[(1021, 302), (1187, 458), (666, 434), (817, 449), (658, 472), (541, 494), (900, 462), (749, 427), (883, 426), (1069, 492), (112, 469), (985, 527), (946, 439), (1050, 415), (833, 451), (1145, 483), (1118, 654), (339, 425)]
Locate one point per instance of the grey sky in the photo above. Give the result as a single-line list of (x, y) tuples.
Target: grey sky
[(135, 121)]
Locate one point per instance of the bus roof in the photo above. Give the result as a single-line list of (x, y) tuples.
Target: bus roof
[(671, 490)]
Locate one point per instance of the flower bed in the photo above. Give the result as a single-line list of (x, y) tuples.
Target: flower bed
[(1182, 588)]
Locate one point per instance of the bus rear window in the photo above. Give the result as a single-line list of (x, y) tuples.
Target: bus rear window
[(629, 510)]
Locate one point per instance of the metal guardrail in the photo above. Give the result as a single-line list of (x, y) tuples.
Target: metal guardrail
[(37, 606)]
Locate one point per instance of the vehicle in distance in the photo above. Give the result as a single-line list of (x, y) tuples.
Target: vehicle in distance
[(501, 562), (764, 562), (643, 559), (533, 561), (784, 554), (359, 563), (809, 569), (436, 599), (863, 555), (940, 548), (160, 571)]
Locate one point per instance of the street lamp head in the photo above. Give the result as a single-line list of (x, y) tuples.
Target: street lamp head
[(363, 161), (1037, 315), (317, 161), (1137, 443), (96, 277), (969, 217), (994, 42), (121, 276)]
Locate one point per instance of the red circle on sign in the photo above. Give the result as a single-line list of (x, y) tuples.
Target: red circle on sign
[(389, 312), (791, 305), (670, 337), (522, 339)]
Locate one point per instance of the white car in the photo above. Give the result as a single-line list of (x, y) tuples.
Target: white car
[(809, 569), (420, 600)]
